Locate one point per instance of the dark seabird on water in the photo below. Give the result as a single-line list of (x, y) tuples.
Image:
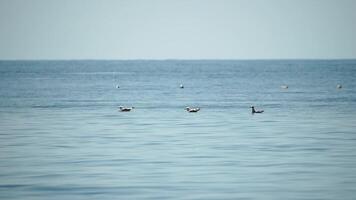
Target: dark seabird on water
[(256, 111)]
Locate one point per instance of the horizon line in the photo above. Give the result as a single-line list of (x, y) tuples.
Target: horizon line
[(177, 59)]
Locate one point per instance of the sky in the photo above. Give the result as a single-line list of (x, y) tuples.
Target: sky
[(177, 29)]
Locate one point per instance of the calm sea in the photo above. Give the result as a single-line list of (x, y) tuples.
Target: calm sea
[(62, 137)]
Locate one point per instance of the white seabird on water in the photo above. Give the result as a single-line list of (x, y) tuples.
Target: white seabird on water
[(338, 86), (125, 109), (181, 86), (192, 109), (284, 86)]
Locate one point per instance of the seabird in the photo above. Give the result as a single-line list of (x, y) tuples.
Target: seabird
[(256, 111), (339, 86), (125, 109), (284, 86), (181, 86), (192, 109)]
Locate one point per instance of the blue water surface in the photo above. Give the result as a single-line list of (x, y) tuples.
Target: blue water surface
[(62, 137)]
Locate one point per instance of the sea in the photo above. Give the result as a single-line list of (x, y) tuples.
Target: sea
[(62, 135)]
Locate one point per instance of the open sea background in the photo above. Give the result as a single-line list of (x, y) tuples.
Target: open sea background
[(62, 137)]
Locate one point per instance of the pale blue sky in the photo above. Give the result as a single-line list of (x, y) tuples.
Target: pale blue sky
[(177, 29)]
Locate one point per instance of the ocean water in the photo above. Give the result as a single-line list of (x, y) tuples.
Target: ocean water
[(62, 137)]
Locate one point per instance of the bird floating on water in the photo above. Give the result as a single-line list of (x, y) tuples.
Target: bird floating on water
[(338, 86), (181, 86), (192, 109), (256, 111), (284, 86), (117, 86), (125, 109)]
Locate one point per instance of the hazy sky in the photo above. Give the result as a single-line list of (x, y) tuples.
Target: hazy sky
[(178, 29)]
